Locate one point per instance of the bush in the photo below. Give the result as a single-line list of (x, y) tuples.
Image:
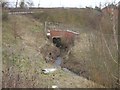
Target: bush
[(42, 17), (5, 15)]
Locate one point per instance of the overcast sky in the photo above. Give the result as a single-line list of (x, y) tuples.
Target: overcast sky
[(68, 3)]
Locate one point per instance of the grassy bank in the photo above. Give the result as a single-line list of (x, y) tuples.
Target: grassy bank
[(93, 55), (22, 44)]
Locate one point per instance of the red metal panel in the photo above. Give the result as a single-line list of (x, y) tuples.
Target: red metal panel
[(65, 34), (67, 37)]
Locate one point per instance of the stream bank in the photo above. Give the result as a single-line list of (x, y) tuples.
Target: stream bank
[(58, 57)]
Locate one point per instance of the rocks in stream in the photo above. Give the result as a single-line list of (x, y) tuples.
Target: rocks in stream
[(50, 53), (48, 70)]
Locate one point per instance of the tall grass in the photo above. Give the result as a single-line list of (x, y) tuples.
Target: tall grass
[(94, 55), (4, 15), (76, 17)]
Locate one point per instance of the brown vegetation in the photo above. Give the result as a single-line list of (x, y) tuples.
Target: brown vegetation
[(93, 56)]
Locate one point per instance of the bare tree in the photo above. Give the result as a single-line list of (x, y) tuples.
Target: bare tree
[(30, 3), (4, 3), (100, 5), (22, 4), (16, 3), (39, 4)]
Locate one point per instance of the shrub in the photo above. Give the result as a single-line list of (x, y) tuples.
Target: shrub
[(4, 15), (42, 17)]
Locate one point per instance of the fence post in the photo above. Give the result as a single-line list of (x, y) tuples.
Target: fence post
[(45, 27)]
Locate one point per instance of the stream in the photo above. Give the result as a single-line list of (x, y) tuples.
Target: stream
[(58, 62)]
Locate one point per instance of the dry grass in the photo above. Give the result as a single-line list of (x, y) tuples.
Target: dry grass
[(74, 17), (91, 58), (23, 60), (25, 50)]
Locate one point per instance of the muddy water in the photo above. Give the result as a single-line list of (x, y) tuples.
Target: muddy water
[(58, 61)]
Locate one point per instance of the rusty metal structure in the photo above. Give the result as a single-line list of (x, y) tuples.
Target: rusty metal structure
[(59, 35)]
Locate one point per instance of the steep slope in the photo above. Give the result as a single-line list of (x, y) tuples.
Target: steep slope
[(22, 59), (95, 53)]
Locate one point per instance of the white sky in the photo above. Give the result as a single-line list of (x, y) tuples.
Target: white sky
[(68, 3)]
